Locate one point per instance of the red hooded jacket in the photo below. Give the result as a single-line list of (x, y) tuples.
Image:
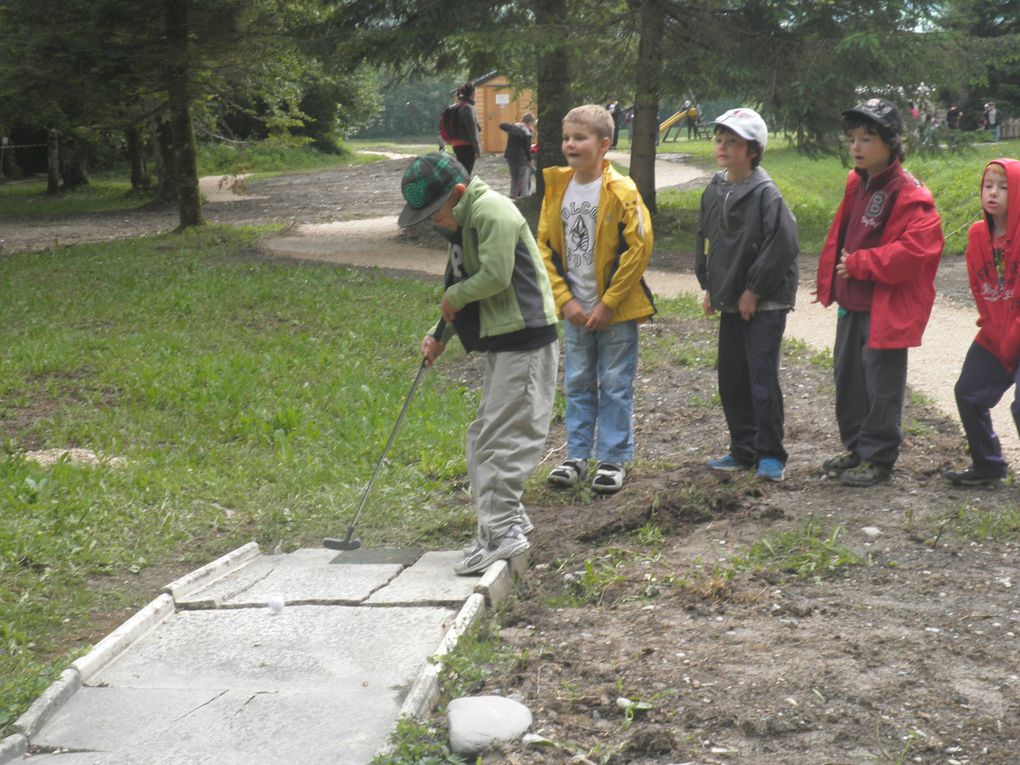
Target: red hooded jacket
[(902, 267), (998, 302)]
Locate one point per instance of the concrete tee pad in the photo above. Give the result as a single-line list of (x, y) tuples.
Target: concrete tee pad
[(430, 580), (302, 577), (222, 728), (302, 647)]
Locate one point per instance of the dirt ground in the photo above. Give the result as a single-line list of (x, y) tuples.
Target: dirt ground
[(911, 655)]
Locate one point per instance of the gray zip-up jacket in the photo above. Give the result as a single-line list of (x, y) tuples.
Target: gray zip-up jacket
[(747, 239)]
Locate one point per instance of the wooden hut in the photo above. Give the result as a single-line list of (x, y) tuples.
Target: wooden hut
[(496, 101)]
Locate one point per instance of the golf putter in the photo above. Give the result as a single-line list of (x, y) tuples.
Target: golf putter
[(347, 543)]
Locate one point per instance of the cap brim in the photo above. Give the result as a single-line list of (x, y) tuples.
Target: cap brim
[(868, 116), (742, 133), (411, 216)]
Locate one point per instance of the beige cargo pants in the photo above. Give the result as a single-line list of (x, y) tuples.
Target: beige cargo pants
[(506, 439)]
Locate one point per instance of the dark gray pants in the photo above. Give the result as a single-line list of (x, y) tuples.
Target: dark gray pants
[(870, 386), (982, 383), (752, 399)]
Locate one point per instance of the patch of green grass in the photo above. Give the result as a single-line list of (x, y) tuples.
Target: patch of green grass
[(650, 534), (808, 552), (28, 198), (246, 397), (269, 158), (588, 584), (980, 525), (414, 743), (420, 144), (478, 652), (796, 349), (682, 307)]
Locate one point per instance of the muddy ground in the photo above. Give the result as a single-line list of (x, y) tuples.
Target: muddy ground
[(909, 655)]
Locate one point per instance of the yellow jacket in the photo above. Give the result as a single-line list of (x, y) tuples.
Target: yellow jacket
[(623, 243)]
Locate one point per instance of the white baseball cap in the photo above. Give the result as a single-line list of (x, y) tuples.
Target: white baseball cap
[(746, 123)]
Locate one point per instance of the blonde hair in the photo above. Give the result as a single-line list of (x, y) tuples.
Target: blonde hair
[(594, 117)]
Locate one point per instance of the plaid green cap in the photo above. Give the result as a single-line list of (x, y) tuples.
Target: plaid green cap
[(427, 184)]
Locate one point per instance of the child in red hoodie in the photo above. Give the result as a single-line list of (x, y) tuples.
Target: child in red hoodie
[(990, 369)]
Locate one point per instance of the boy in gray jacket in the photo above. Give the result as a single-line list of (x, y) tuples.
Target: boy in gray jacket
[(746, 261)]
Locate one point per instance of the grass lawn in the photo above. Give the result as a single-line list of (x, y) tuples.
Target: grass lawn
[(247, 399), (28, 198)]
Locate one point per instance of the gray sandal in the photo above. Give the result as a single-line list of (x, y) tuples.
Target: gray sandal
[(568, 473), (608, 478)]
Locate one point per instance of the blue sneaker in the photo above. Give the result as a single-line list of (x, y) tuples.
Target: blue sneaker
[(727, 464), (771, 469)]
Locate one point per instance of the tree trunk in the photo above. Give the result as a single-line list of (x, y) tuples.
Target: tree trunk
[(163, 153), (553, 90), (136, 156), (646, 100), (53, 162), (73, 165), (189, 201)]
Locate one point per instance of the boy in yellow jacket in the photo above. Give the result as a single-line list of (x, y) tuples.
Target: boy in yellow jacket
[(595, 235)]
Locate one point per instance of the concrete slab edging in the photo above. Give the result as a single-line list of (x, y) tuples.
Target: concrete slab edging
[(424, 691), (56, 695), (13, 748), (117, 641), (210, 572), (49, 701), (493, 588)]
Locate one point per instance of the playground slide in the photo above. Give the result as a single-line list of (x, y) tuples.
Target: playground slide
[(668, 123)]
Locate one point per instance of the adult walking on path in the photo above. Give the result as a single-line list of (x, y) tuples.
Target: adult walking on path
[(464, 137)]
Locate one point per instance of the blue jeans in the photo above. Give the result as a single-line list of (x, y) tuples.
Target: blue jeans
[(599, 383)]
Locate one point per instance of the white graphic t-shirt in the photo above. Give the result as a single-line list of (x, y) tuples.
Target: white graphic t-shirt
[(579, 212)]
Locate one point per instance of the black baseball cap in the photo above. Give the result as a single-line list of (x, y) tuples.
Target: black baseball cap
[(880, 111), (427, 183)]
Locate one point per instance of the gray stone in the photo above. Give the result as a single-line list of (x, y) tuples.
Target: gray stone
[(301, 647), (430, 580), (477, 722), (302, 577)]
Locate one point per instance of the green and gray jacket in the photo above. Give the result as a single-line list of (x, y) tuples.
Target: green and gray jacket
[(495, 269)]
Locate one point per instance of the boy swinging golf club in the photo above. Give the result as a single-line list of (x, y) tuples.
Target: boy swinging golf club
[(498, 302)]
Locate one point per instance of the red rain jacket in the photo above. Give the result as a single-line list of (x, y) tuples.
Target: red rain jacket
[(998, 303), (902, 267)]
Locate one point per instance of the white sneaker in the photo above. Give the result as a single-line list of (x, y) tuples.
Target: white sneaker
[(469, 549), (514, 542)]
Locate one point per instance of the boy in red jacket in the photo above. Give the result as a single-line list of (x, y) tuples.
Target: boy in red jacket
[(990, 369), (878, 264)]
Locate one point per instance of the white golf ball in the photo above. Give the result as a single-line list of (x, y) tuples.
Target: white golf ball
[(276, 603)]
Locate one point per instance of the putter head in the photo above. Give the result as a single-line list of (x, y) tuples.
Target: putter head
[(341, 544)]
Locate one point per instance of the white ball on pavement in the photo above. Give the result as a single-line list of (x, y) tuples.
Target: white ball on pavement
[(275, 603)]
